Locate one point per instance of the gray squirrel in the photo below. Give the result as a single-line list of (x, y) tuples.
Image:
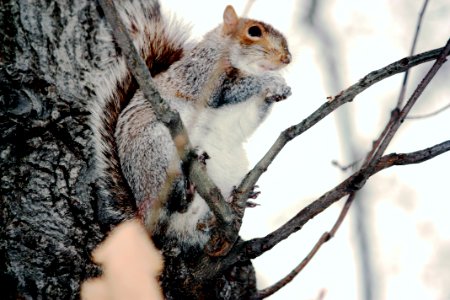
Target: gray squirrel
[(223, 88)]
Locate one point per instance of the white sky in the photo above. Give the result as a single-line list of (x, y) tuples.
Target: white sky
[(408, 207)]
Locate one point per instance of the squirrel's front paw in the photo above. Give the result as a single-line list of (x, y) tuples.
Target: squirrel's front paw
[(281, 94), (276, 89)]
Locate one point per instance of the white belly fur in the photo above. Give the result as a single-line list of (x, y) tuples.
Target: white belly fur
[(221, 133)]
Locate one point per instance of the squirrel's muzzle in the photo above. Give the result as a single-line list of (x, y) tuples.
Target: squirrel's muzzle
[(286, 58)]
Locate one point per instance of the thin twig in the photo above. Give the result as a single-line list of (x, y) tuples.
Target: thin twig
[(395, 112), (401, 96), (354, 182), (431, 114), (352, 165), (255, 247), (398, 119), (245, 250), (385, 162), (370, 162), (416, 157), (324, 110), (326, 236)]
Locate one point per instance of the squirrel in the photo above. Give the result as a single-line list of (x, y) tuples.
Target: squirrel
[(223, 88)]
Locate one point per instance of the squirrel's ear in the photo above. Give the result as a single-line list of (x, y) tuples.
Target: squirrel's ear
[(230, 20)]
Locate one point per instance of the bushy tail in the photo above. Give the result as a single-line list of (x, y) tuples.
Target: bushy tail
[(160, 41)]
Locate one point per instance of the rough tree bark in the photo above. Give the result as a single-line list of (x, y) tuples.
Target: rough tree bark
[(50, 206)]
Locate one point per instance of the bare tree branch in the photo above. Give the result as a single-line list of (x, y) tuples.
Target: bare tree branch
[(142, 75), (244, 250), (255, 247), (223, 212), (345, 96), (416, 157), (358, 179), (397, 119), (401, 96), (373, 162), (204, 186), (325, 237), (385, 162)]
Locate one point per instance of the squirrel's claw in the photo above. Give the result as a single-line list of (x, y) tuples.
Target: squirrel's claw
[(251, 204), (254, 194)]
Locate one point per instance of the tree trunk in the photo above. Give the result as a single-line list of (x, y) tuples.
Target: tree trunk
[(52, 212), (48, 209)]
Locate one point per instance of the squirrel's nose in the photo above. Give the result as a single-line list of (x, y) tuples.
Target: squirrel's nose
[(286, 58)]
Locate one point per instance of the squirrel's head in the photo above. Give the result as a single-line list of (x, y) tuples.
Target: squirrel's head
[(255, 46)]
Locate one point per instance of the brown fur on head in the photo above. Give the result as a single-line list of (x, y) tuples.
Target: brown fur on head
[(253, 34)]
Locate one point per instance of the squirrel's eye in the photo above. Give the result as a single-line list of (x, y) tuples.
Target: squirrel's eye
[(254, 31)]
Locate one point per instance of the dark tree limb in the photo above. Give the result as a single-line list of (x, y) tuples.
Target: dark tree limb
[(386, 162), (225, 218), (325, 109), (372, 165), (397, 119), (372, 162), (245, 250), (255, 247), (142, 75), (325, 237), (172, 120)]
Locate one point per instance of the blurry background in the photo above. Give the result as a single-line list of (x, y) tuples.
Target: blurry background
[(395, 243)]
